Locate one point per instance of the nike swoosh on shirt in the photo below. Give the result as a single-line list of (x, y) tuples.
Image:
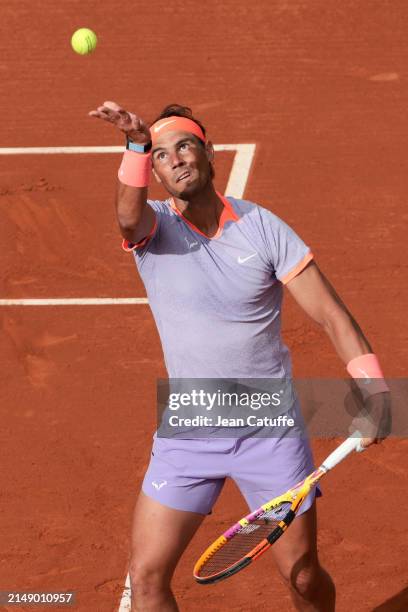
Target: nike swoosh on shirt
[(242, 260), (159, 127)]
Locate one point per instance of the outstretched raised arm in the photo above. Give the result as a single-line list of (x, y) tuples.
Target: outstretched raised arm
[(135, 218)]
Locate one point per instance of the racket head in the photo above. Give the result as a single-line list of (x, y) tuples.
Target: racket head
[(252, 535)]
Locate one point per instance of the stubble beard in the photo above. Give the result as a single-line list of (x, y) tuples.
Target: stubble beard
[(192, 191)]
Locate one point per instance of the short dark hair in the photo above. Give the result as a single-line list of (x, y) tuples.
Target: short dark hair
[(177, 110)]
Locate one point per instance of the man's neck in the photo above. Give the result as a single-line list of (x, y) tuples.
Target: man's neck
[(203, 210)]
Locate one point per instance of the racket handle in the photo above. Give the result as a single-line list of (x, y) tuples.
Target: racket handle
[(348, 446)]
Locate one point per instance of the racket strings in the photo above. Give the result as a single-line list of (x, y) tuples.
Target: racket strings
[(244, 541)]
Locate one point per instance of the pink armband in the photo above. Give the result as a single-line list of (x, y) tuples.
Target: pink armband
[(367, 373), (135, 169)]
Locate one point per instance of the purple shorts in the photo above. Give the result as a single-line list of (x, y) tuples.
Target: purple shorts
[(190, 474)]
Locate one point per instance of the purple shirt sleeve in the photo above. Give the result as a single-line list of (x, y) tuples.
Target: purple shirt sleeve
[(287, 252)]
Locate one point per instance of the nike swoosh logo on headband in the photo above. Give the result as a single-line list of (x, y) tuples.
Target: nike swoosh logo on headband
[(159, 127)]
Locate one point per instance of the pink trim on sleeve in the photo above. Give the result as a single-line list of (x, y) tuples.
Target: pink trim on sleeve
[(298, 268), (130, 246)]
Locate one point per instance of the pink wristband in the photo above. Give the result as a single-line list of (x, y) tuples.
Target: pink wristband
[(135, 169), (367, 373)]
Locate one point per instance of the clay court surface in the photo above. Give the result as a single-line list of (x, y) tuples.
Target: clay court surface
[(321, 89)]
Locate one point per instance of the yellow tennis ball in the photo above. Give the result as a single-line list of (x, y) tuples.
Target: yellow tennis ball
[(84, 41)]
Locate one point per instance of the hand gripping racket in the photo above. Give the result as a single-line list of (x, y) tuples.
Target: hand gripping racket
[(250, 537)]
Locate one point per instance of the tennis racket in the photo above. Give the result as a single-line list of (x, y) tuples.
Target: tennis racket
[(254, 534)]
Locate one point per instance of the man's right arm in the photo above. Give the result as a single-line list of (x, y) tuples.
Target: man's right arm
[(135, 217)]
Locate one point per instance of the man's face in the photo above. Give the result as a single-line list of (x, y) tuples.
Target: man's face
[(182, 163)]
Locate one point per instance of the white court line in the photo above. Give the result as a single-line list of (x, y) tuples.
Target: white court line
[(241, 166), (72, 301), (96, 149), (58, 150), (125, 602)]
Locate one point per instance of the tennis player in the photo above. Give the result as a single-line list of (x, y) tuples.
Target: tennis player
[(214, 269)]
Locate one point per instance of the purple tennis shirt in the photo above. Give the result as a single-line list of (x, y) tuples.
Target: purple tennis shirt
[(217, 301)]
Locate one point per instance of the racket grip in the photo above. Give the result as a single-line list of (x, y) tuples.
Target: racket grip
[(341, 452)]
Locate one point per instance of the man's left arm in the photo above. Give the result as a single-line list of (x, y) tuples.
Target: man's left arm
[(313, 292)]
